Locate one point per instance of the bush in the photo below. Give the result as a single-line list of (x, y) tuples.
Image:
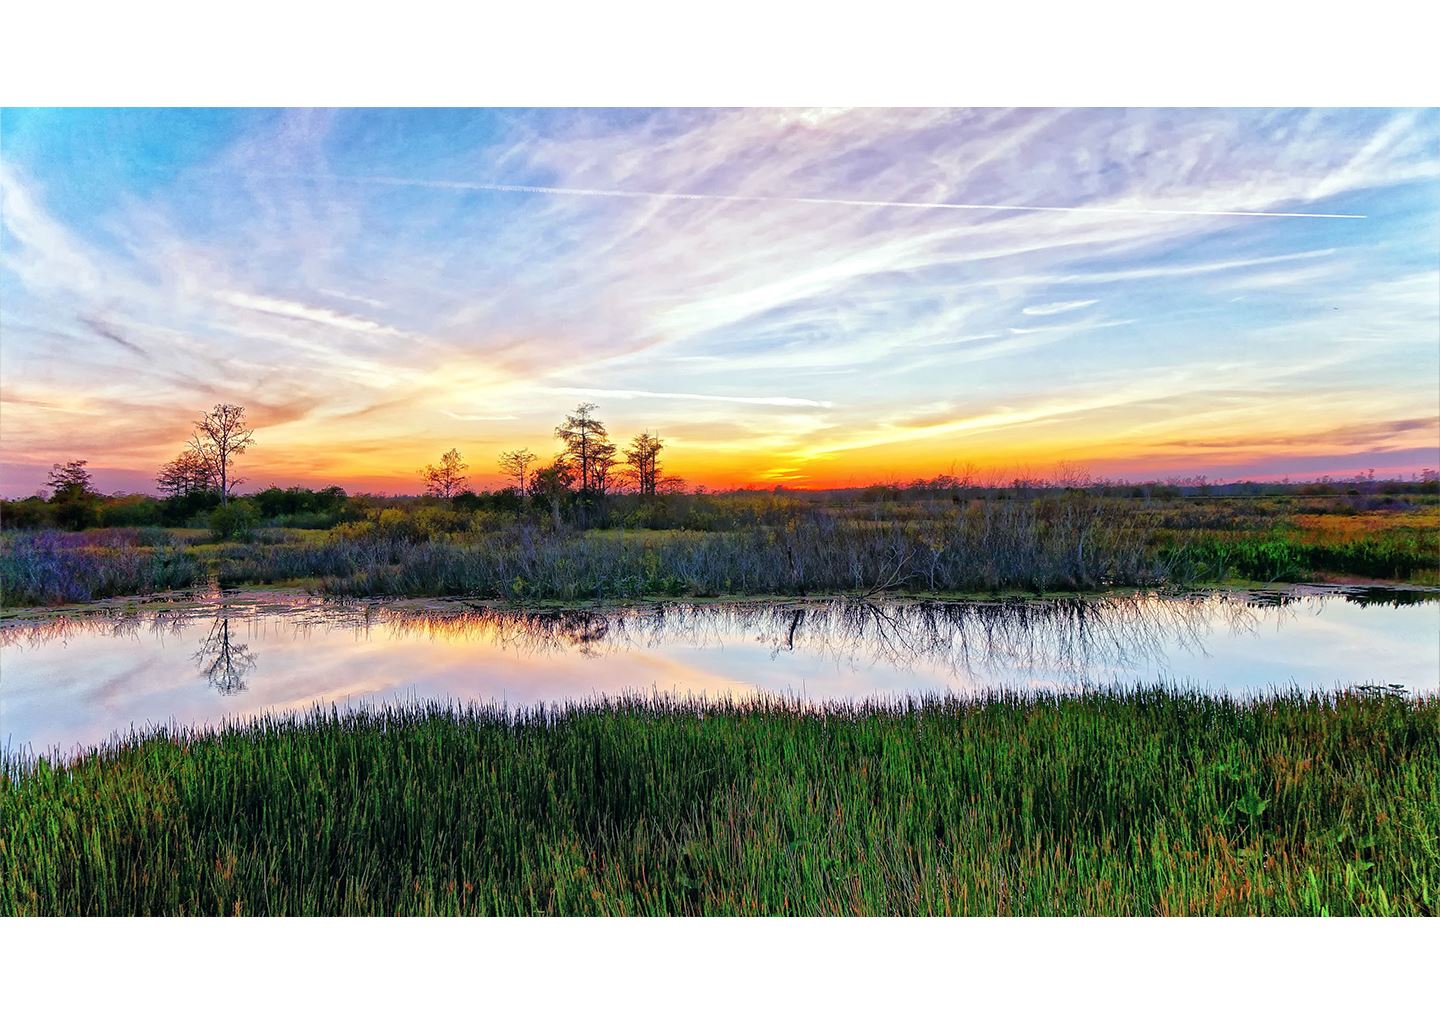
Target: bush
[(235, 521), (26, 514), (132, 510)]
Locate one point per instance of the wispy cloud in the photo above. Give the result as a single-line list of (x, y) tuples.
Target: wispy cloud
[(310, 314), (630, 393), (112, 334), (1051, 308), (478, 418), (894, 204)]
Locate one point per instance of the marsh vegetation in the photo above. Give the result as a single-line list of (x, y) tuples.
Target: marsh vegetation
[(1149, 802), (747, 544)]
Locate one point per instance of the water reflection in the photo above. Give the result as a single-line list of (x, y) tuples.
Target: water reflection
[(77, 678), (1070, 640), (224, 662)]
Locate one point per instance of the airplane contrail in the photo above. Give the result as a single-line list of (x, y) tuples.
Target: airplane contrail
[(616, 193)]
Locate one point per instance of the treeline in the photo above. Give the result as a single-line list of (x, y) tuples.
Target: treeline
[(591, 481), (198, 487), (1004, 485)]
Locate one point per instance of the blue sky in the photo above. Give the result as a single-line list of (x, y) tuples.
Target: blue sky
[(786, 295)]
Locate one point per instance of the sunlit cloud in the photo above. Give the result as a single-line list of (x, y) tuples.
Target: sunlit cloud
[(473, 417)]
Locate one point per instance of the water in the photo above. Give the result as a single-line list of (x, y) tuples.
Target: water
[(78, 679)]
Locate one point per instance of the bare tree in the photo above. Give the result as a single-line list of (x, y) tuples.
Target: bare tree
[(222, 435), (186, 474), (516, 465), (224, 663), (643, 457), (446, 480), (582, 433), (171, 479)]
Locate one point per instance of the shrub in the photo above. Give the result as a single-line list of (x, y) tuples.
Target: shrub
[(234, 521)]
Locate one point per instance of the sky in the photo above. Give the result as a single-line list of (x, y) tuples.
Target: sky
[(802, 297)]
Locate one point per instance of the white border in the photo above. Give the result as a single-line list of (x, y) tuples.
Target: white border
[(269, 53), (718, 970), (743, 52)]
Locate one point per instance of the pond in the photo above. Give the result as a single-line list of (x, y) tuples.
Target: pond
[(79, 678)]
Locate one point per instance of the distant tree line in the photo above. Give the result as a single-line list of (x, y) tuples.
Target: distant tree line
[(589, 481), (574, 484)]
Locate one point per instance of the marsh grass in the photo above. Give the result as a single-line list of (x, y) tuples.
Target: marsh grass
[(768, 545), (48, 568), (1151, 802)]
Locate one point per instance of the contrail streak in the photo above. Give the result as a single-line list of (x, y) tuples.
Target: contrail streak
[(617, 193)]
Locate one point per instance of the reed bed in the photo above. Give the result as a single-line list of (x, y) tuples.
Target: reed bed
[(49, 568), (1149, 802), (991, 547), (1050, 544)]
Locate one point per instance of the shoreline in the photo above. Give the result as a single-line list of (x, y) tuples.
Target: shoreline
[(288, 596)]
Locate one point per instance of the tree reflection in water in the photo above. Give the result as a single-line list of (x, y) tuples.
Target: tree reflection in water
[(223, 662), (1068, 642)]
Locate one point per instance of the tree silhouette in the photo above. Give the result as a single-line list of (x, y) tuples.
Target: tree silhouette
[(184, 475), (220, 437), (446, 480), (643, 458), (516, 465), (70, 482), (602, 461), (586, 440), (552, 483), (72, 496)]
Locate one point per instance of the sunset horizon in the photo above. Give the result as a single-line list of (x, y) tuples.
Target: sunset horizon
[(813, 299)]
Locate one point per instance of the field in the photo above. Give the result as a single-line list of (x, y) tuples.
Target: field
[(1051, 541), (1112, 804)]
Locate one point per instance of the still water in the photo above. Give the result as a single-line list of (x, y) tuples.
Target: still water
[(78, 679)]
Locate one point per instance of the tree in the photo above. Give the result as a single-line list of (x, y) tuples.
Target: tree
[(73, 498), (643, 457), (552, 483), (70, 482), (184, 475), (581, 434), (222, 435), (447, 480), (516, 465), (171, 479), (602, 461)]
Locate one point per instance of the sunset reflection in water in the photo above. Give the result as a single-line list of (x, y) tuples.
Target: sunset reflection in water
[(78, 679)]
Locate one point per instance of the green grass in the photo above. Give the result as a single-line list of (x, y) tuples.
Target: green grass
[(1153, 802), (1282, 558)]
